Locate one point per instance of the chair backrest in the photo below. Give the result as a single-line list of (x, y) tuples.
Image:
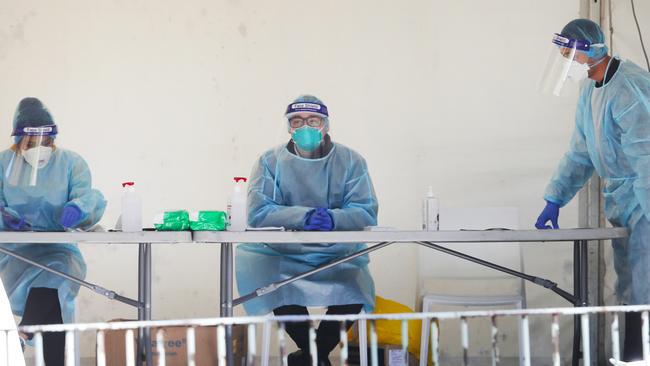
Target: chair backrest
[(433, 264)]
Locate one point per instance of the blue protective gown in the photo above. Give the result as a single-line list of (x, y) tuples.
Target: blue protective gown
[(65, 179), (612, 137), (283, 189)]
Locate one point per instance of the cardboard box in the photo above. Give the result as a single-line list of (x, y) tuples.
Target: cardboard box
[(388, 355), (175, 343)]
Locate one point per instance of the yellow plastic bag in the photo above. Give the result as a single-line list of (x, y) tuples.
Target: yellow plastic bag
[(390, 331)]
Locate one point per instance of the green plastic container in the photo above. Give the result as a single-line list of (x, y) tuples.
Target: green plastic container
[(172, 221), (208, 221)]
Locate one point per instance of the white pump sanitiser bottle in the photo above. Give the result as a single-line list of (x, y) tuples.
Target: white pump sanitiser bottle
[(131, 208), (237, 217), (430, 212)]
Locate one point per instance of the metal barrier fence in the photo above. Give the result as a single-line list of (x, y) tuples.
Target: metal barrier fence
[(253, 353)]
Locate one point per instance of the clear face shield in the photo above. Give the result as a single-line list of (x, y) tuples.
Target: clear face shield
[(32, 152), (567, 66)]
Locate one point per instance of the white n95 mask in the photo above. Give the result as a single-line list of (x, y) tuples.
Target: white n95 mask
[(578, 71), (38, 157)]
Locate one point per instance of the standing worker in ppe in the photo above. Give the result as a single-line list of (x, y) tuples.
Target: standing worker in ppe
[(309, 183), (612, 137), (44, 188)]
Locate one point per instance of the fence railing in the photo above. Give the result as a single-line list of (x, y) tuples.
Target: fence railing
[(256, 355)]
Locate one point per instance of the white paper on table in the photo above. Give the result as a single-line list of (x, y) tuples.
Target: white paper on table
[(266, 228), (15, 356)]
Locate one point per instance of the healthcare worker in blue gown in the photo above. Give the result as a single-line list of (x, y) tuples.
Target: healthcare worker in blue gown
[(612, 137), (44, 188), (310, 183)]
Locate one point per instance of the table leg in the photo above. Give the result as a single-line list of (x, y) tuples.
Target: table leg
[(580, 278), (144, 297), (584, 287), (226, 281), (584, 274), (577, 292)]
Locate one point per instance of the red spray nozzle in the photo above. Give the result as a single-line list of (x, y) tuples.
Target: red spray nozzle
[(240, 179), (130, 184)]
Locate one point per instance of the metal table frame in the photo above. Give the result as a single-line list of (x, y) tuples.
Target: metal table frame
[(144, 240), (579, 237)]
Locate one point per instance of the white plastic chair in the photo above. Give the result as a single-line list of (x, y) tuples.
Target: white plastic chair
[(438, 267)]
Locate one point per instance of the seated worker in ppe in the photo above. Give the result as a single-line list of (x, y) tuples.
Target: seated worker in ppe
[(612, 137), (309, 183), (44, 188)]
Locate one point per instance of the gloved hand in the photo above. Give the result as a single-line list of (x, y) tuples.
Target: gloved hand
[(13, 221), (319, 220), (71, 216), (550, 213)]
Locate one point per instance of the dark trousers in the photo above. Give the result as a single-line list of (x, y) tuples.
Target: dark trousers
[(42, 307), (327, 334)]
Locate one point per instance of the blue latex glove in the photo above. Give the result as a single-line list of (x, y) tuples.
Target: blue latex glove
[(71, 216), (319, 220), (550, 213), (13, 221)]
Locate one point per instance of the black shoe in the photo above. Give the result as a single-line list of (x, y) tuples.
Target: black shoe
[(298, 358)]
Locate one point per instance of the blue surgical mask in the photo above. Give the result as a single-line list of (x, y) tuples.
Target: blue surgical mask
[(307, 138)]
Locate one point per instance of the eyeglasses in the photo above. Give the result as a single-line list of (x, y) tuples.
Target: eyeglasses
[(312, 121)]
